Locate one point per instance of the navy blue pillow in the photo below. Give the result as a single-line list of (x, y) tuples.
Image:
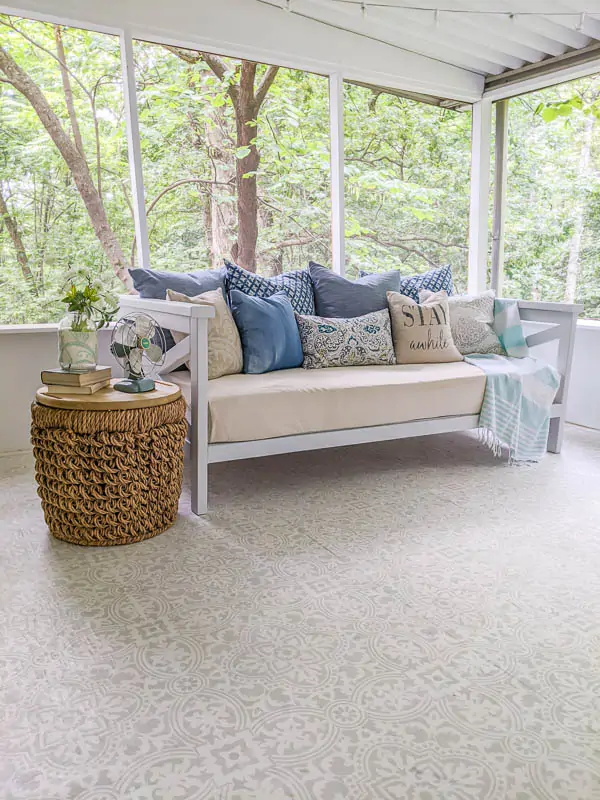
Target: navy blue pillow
[(268, 330), (152, 284), (297, 285), (435, 280), (338, 297)]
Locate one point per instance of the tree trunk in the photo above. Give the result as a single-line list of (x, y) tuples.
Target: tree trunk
[(11, 226), (246, 169), (579, 213), (246, 101), (75, 161), (222, 203), (66, 82)]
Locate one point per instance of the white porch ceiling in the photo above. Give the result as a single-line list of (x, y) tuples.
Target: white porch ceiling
[(487, 37)]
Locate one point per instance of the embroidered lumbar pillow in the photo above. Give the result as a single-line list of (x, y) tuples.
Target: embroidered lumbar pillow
[(421, 333), (471, 321), (354, 342)]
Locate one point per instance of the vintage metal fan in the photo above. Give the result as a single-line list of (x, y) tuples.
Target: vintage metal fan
[(138, 344)]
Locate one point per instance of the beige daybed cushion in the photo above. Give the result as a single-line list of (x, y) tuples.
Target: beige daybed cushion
[(249, 407)]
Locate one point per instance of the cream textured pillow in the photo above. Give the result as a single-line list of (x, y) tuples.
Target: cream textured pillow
[(421, 333), (224, 344), (471, 321)]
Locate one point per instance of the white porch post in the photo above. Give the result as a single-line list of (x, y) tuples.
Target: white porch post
[(480, 190), (134, 150), (500, 173), (336, 133)]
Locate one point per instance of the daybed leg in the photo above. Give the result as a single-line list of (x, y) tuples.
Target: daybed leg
[(199, 487), (199, 413), (555, 434)]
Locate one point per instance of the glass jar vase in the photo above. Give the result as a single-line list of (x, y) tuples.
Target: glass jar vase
[(77, 343)]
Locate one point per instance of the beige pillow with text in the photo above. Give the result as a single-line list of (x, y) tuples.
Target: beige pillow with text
[(421, 333), (224, 344)]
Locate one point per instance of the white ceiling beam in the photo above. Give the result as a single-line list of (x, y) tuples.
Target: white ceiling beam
[(545, 26), (585, 24), (551, 27), (568, 67), (570, 26), (491, 47), (512, 29), (262, 32), (401, 34)]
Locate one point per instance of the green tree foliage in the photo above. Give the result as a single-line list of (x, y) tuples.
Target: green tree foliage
[(406, 184), (406, 173), (552, 246), (185, 112), (37, 189)]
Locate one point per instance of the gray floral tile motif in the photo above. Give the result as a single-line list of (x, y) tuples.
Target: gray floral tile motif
[(401, 621)]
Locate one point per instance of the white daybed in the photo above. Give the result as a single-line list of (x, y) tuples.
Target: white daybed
[(245, 416)]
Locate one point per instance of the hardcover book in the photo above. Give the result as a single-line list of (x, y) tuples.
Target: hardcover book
[(62, 377)]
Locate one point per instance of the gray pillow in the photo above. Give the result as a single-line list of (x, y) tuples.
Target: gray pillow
[(152, 284), (354, 342), (338, 297)]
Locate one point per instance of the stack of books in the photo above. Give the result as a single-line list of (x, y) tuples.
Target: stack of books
[(61, 382)]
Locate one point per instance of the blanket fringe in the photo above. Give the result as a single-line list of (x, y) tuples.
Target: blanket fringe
[(489, 439)]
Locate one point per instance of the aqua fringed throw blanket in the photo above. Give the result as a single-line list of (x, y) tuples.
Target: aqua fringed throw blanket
[(515, 413)]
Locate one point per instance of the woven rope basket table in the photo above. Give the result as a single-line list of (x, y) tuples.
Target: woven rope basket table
[(109, 466)]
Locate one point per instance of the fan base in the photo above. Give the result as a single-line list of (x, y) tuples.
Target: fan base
[(134, 385)]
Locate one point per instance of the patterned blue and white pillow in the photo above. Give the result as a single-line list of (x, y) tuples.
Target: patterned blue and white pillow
[(435, 280), (353, 342), (297, 285)]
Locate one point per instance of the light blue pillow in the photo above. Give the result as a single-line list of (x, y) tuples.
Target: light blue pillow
[(338, 297), (296, 285), (268, 330), (435, 280)]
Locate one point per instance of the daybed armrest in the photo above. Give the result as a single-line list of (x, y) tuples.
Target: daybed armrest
[(188, 318), (157, 308), (560, 323)]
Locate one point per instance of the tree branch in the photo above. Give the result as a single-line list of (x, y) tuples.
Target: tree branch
[(264, 86), (291, 243), (431, 239), (181, 182), (216, 64), (11, 226), (41, 47), (169, 188), (74, 160), (66, 82), (189, 56), (397, 244)]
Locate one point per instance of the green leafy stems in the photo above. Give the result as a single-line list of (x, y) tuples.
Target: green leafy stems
[(88, 306)]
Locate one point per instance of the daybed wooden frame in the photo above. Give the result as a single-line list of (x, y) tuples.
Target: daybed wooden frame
[(556, 320)]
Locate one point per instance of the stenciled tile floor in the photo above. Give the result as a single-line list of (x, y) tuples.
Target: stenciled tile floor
[(409, 620)]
